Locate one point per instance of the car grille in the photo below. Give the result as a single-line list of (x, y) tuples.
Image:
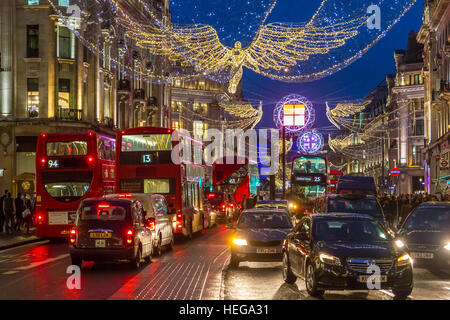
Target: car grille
[(423, 247), (361, 265), (266, 243)]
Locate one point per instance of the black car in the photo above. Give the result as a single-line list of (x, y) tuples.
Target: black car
[(341, 252), (350, 203), (426, 233), (110, 229), (259, 236)]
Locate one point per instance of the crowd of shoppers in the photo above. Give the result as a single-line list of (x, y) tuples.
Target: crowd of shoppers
[(397, 208), (16, 214)]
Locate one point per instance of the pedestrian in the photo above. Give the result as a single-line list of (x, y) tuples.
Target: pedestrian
[(406, 208), (2, 213), (19, 209), (8, 209), (28, 209)]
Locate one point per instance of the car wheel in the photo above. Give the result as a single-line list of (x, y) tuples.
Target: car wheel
[(157, 251), (170, 245), (234, 262), (311, 282), (148, 259), (136, 262), (76, 261), (401, 294), (288, 276)]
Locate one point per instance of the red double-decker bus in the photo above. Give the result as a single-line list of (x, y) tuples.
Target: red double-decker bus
[(70, 167), (144, 165)]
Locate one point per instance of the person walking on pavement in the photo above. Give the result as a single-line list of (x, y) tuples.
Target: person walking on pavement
[(8, 209), (19, 208), (2, 212), (28, 217)]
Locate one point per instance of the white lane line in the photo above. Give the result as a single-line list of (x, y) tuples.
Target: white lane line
[(207, 273), (37, 264), (392, 295)]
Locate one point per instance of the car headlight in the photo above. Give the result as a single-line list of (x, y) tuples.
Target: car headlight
[(447, 246), (399, 244), (327, 259), (404, 260), (240, 242)]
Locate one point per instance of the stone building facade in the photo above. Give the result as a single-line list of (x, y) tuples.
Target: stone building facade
[(435, 36)]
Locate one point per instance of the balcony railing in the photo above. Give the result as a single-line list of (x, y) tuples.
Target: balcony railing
[(69, 114)]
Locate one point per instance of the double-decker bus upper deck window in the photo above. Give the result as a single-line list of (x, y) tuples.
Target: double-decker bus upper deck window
[(146, 149), (310, 165), (67, 148), (146, 143)]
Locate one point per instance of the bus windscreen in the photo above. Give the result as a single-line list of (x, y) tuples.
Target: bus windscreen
[(310, 165)]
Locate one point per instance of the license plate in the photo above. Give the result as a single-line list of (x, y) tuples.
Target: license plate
[(266, 251), (422, 255), (100, 243), (58, 218), (363, 279), (100, 235)]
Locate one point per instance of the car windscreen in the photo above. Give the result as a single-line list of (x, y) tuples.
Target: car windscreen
[(364, 206), (103, 212), (348, 230), (265, 220), (429, 218)]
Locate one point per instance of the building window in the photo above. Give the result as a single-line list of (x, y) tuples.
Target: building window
[(419, 128), (33, 2), (177, 125), (417, 79), (200, 129), (177, 106), (64, 94), (66, 43), (33, 97), (64, 3), (200, 108), (416, 156), (33, 41)]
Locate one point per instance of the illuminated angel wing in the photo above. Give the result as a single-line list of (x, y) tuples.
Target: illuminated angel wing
[(279, 46), (197, 45)]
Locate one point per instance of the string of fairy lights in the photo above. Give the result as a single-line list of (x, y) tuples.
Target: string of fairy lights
[(283, 51)]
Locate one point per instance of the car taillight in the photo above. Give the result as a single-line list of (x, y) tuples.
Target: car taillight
[(223, 206), (91, 159), (129, 235), (73, 236), (231, 205)]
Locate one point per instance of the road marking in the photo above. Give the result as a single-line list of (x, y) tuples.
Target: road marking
[(392, 295), (37, 264), (207, 273), (10, 272)]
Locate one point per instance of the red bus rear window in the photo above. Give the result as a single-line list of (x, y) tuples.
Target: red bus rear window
[(67, 148)]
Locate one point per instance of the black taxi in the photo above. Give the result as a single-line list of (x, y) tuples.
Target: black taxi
[(110, 229)]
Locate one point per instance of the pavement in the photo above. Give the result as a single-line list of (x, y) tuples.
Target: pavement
[(8, 241)]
